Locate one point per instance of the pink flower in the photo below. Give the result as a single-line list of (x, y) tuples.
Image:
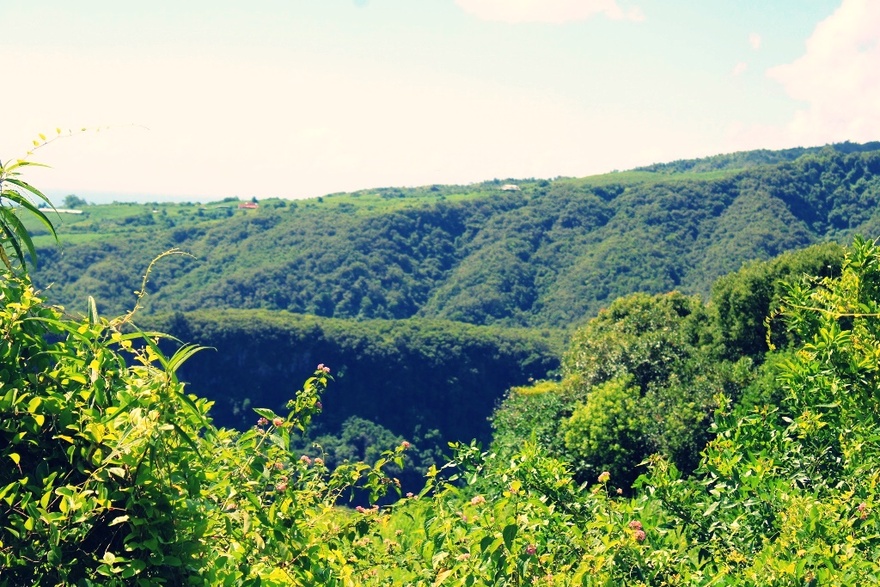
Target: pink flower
[(360, 509), (405, 445), (604, 477), (531, 549), (281, 486), (305, 459), (262, 422), (635, 525), (323, 367), (640, 535), (319, 462), (278, 422), (478, 499), (409, 493)]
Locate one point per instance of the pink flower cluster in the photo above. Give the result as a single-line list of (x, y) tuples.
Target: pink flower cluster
[(323, 367), (638, 531)]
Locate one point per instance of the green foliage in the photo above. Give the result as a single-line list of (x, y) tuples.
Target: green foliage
[(642, 375), (113, 474), (747, 159), (15, 196), (640, 378), (530, 414), (608, 432), (649, 337), (789, 493), (783, 496), (743, 300)]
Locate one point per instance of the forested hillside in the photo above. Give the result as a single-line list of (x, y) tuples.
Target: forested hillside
[(548, 254)]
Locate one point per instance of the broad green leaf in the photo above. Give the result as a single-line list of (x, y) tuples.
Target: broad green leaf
[(509, 534)]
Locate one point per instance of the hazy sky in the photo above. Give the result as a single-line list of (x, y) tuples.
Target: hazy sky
[(299, 98)]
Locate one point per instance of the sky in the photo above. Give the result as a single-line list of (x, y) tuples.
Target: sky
[(206, 99)]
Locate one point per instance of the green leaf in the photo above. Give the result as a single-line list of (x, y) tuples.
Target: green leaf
[(266, 413), (186, 437), (119, 520), (93, 311), (117, 471), (182, 355), (509, 533)]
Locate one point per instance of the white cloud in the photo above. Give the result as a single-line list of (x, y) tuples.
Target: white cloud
[(755, 41), (837, 78), (547, 11), (740, 68)]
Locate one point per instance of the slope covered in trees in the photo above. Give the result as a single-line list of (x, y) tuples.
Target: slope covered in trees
[(549, 254), (425, 381)]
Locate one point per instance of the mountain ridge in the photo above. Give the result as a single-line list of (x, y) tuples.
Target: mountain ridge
[(548, 254)]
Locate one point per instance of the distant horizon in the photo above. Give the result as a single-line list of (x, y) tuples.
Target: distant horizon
[(57, 195)]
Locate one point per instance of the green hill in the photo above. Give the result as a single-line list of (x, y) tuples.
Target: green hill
[(549, 254)]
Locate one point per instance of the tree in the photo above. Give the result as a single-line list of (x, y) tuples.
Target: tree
[(608, 432), (72, 201)]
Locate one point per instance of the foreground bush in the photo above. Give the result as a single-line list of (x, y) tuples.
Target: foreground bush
[(112, 474)]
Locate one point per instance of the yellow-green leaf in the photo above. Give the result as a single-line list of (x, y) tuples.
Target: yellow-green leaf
[(442, 576)]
